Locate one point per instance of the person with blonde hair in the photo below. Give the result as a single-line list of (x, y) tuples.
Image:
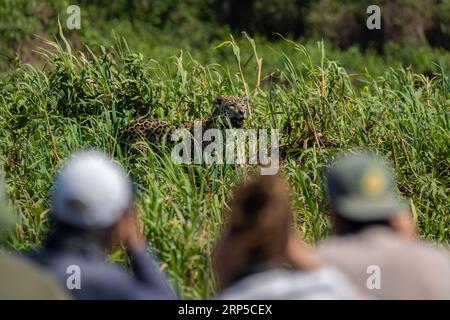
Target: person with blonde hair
[(260, 256)]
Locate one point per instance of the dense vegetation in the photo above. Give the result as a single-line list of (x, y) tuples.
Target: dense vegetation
[(414, 32), (73, 96)]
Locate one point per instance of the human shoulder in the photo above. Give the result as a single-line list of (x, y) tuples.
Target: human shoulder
[(22, 279), (322, 283)]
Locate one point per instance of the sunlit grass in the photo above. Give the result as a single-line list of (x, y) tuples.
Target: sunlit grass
[(80, 101)]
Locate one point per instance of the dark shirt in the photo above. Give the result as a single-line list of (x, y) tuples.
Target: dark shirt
[(100, 279)]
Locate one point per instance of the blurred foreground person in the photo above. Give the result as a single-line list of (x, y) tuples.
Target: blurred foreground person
[(93, 208), (375, 243), (259, 255), (20, 279)]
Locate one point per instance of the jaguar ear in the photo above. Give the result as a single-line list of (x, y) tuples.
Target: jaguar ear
[(218, 101), (246, 100)]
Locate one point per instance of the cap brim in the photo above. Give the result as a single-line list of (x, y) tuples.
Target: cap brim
[(370, 210)]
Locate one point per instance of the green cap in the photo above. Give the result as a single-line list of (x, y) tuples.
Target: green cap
[(360, 187)]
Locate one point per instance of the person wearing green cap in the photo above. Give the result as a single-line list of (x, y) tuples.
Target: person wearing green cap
[(20, 279), (374, 241)]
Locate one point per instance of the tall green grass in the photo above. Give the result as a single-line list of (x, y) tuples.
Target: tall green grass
[(82, 100)]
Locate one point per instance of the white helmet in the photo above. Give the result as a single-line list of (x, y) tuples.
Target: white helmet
[(91, 191)]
